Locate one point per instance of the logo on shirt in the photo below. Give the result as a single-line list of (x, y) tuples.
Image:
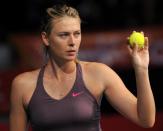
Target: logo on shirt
[(74, 94)]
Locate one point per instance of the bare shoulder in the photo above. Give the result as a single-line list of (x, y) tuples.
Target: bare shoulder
[(99, 72), (26, 77), (95, 76), (24, 81), (96, 67)]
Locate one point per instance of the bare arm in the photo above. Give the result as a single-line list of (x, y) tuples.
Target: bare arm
[(17, 118), (145, 100), (140, 110)]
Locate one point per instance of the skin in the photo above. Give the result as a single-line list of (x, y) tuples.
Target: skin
[(99, 78)]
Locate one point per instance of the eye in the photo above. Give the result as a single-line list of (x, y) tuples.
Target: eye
[(77, 34), (63, 35)]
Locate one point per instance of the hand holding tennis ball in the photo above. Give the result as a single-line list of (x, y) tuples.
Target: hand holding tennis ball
[(137, 38)]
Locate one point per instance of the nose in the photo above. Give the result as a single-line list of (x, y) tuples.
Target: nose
[(71, 41)]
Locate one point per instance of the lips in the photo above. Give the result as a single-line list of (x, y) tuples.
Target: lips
[(71, 52)]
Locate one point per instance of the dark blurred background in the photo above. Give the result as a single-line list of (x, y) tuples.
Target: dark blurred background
[(25, 15), (106, 24)]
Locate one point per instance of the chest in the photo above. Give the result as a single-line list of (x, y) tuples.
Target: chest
[(58, 89), (68, 110), (77, 105)]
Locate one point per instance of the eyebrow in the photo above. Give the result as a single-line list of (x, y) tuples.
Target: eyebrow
[(63, 33), (68, 32)]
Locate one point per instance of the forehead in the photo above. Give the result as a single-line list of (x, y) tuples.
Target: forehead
[(66, 24)]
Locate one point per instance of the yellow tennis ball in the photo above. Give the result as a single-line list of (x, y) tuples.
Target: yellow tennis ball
[(137, 38)]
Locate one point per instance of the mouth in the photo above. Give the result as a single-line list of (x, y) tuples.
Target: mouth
[(71, 52)]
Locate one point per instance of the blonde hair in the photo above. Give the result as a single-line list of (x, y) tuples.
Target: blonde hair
[(55, 12)]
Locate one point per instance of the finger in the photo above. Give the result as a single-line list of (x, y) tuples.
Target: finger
[(142, 33), (146, 44), (135, 48), (141, 49), (128, 40), (130, 49)]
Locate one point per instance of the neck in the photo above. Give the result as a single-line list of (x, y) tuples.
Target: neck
[(60, 69)]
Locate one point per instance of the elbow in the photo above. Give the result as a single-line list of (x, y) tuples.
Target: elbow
[(148, 123)]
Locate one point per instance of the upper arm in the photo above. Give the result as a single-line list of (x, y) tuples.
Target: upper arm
[(18, 117), (118, 95)]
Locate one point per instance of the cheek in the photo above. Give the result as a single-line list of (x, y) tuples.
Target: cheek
[(58, 48), (57, 44), (78, 41), (78, 44)]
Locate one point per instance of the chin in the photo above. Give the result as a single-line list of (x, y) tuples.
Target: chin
[(70, 58)]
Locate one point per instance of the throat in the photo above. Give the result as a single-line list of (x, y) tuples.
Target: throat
[(61, 72)]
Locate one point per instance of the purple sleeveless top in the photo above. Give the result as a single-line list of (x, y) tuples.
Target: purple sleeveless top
[(77, 111)]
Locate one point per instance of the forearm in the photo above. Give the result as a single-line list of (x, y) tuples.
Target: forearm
[(17, 124), (145, 99)]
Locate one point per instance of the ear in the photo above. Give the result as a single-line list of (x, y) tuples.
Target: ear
[(45, 38)]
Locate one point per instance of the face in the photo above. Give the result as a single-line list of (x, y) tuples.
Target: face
[(64, 39)]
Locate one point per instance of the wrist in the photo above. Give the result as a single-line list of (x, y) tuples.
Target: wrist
[(139, 69)]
